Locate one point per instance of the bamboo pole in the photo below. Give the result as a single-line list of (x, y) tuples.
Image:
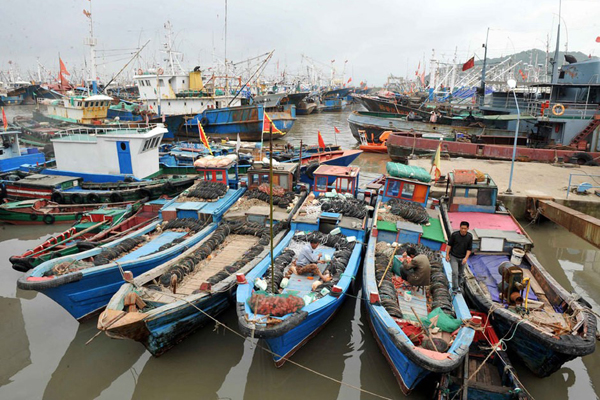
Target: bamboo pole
[(271, 204)]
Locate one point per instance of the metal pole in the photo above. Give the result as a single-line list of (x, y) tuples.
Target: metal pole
[(271, 204), (512, 164), (482, 98)]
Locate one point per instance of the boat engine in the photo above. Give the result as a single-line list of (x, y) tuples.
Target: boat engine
[(512, 283)]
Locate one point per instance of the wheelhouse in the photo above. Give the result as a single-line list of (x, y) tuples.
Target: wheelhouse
[(284, 175), (331, 177), (468, 191), (406, 189)]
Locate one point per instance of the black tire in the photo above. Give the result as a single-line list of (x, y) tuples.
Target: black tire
[(49, 219), (144, 194), (78, 217), (168, 187), (129, 179), (33, 217), (204, 121), (57, 197), (83, 246), (310, 170), (581, 158), (115, 197), (93, 198), (76, 198)]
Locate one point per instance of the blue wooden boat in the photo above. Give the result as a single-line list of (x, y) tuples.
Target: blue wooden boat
[(247, 121), (395, 317), (84, 283), (548, 326), (285, 334), (11, 155)]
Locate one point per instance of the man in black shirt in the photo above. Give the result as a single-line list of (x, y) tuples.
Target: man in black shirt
[(460, 245)]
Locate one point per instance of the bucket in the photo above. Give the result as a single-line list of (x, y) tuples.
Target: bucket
[(517, 256)]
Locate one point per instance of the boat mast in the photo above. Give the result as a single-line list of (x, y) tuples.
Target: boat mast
[(485, 46), (226, 77), (556, 51), (91, 41)]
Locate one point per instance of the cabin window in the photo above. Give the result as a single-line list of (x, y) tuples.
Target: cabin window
[(201, 103), (408, 189), (146, 144), (321, 184), (208, 175), (254, 179), (284, 181), (218, 104), (161, 82), (264, 178), (147, 83), (393, 188), (141, 83)]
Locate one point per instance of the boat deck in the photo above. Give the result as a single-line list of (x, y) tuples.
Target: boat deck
[(417, 303), (480, 220), (301, 285), (230, 251)]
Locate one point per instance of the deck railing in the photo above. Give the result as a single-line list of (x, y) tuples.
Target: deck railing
[(104, 130)]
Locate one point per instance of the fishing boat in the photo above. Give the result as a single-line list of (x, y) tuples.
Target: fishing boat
[(334, 100), (89, 226), (11, 154), (85, 110), (307, 106), (547, 325), (396, 310), (374, 147), (480, 377), (253, 206), (84, 283), (40, 212), (287, 312), (311, 162)]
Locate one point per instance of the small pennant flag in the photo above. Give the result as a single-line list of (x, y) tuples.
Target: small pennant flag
[(4, 120), (349, 80), (335, 128), (598, 39), (203, 138), (321, 141), (268, 125)]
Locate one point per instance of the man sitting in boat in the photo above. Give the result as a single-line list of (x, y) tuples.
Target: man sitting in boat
[(460, 245), (415, 269), (411, 116), (307, 261)]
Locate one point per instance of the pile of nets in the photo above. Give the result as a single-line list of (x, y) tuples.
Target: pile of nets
[(349, 207), (410, 211), (283, 200), (184, 224), (275, 271), (207, 190), (277, 190), (439, 289), (68, 266), (387, 291), (276, 305), (112, 253)]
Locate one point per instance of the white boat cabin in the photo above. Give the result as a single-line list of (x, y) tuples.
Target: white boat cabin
[(78, 109), (120, 151)]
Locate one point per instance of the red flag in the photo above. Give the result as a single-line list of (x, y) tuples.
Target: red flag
[(268, 123), (203, 138), (4, 120), (63, 69), (469, 64), (321, 141), (349, 80), (598, 39), (335, 128), (418, 69)]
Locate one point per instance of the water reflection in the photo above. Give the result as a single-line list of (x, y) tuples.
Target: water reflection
[(195, 368), (14, 343), (98, 364)]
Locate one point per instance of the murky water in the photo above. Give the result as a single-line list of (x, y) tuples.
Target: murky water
[(43, 352)]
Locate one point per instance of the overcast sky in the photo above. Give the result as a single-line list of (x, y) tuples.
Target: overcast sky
[(377, 37)]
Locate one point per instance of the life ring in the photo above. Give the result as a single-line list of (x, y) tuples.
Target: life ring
[(160, 71), (49, 219), (140, 72), (204, 121), (558, 106)]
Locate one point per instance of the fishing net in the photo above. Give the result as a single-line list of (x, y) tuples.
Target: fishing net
[(277, 190), (206, 190), (349, 207), (276, 305), (283, 200), (408, 210)]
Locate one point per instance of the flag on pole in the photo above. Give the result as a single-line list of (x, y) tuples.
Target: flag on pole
[(469, 64), (268, 124), (4, 121), (203, 138), (335, 128), (238, 145), (63, 68), (418, 71), (349, 80), (436, 163), (598, 39), (321, 141)]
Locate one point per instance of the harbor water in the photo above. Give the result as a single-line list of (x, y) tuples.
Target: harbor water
[(45, 354)]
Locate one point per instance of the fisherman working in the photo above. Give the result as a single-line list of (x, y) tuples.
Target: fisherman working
[(434, 117), (415, 269), (410, 116), (307, 262), (460, 245)]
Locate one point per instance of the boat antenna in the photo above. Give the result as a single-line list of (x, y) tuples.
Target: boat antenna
[(271, 204), (92, 42), (125, 66), (485, 46), (556, 51), (252, 77)]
